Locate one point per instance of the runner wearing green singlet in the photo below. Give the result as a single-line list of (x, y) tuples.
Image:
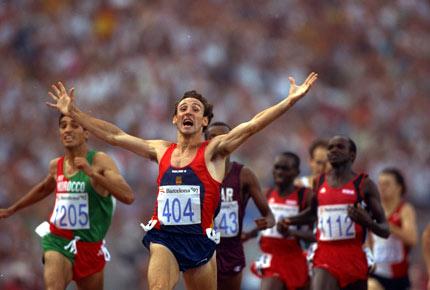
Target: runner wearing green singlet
[(85, 183)]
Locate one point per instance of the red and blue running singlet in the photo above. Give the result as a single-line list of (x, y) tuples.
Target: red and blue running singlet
[(188, 197)]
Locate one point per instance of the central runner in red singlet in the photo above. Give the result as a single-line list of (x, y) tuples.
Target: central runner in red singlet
[(339, 261)]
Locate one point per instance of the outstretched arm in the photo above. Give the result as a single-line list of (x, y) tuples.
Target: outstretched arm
[(108, 132), (251, 186), (105, 177), (377, 222), (224, 145), (37, 193)]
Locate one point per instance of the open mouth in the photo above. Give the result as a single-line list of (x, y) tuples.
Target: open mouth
[(68, 138), (188, 123)]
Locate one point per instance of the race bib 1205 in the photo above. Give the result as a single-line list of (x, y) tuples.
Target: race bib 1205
[(179, 205), (71, 211)]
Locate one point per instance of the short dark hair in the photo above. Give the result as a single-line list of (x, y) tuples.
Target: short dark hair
[(62, 116), (218, 123), (317, 143), (293, 156), (208, 108), (222, 124), (398, 177)]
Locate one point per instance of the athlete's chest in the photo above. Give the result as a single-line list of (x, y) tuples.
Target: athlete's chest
[(230, 188), (182, 159), (343, 195)]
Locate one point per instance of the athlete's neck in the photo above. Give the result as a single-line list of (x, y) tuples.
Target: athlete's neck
[(285, 189), (71, 153), (79, 151), (340, 174), (391, 204), (188, 142)]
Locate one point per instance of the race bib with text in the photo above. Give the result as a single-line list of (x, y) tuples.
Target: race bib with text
[(280, 211), (387, 250), (334, 223), (71, 211), (179, 205), (227, 220)]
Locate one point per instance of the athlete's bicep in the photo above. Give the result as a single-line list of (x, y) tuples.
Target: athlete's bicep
[(224, 145), (146, 148), (108, 179), (372, 198), (409, 224)]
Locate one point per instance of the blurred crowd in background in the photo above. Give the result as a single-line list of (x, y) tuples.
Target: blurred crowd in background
[(129, 61)]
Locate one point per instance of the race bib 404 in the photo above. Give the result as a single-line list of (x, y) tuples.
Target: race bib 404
[(334, 223), (280, 211), (179, 205), (71, 211), (227, 220)]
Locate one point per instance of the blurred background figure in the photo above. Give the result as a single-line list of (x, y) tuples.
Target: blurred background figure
[(392, 254), (134, 57), (426, 251), (318, 162)]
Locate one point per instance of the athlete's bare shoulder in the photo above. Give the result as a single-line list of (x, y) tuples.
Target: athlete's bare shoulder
[(247, 175), (53, 166)]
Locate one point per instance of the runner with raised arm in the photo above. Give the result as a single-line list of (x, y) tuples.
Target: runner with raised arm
[(180, 234)]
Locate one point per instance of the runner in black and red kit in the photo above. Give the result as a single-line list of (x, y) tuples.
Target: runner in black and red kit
[(339, 261), (239, 184)]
